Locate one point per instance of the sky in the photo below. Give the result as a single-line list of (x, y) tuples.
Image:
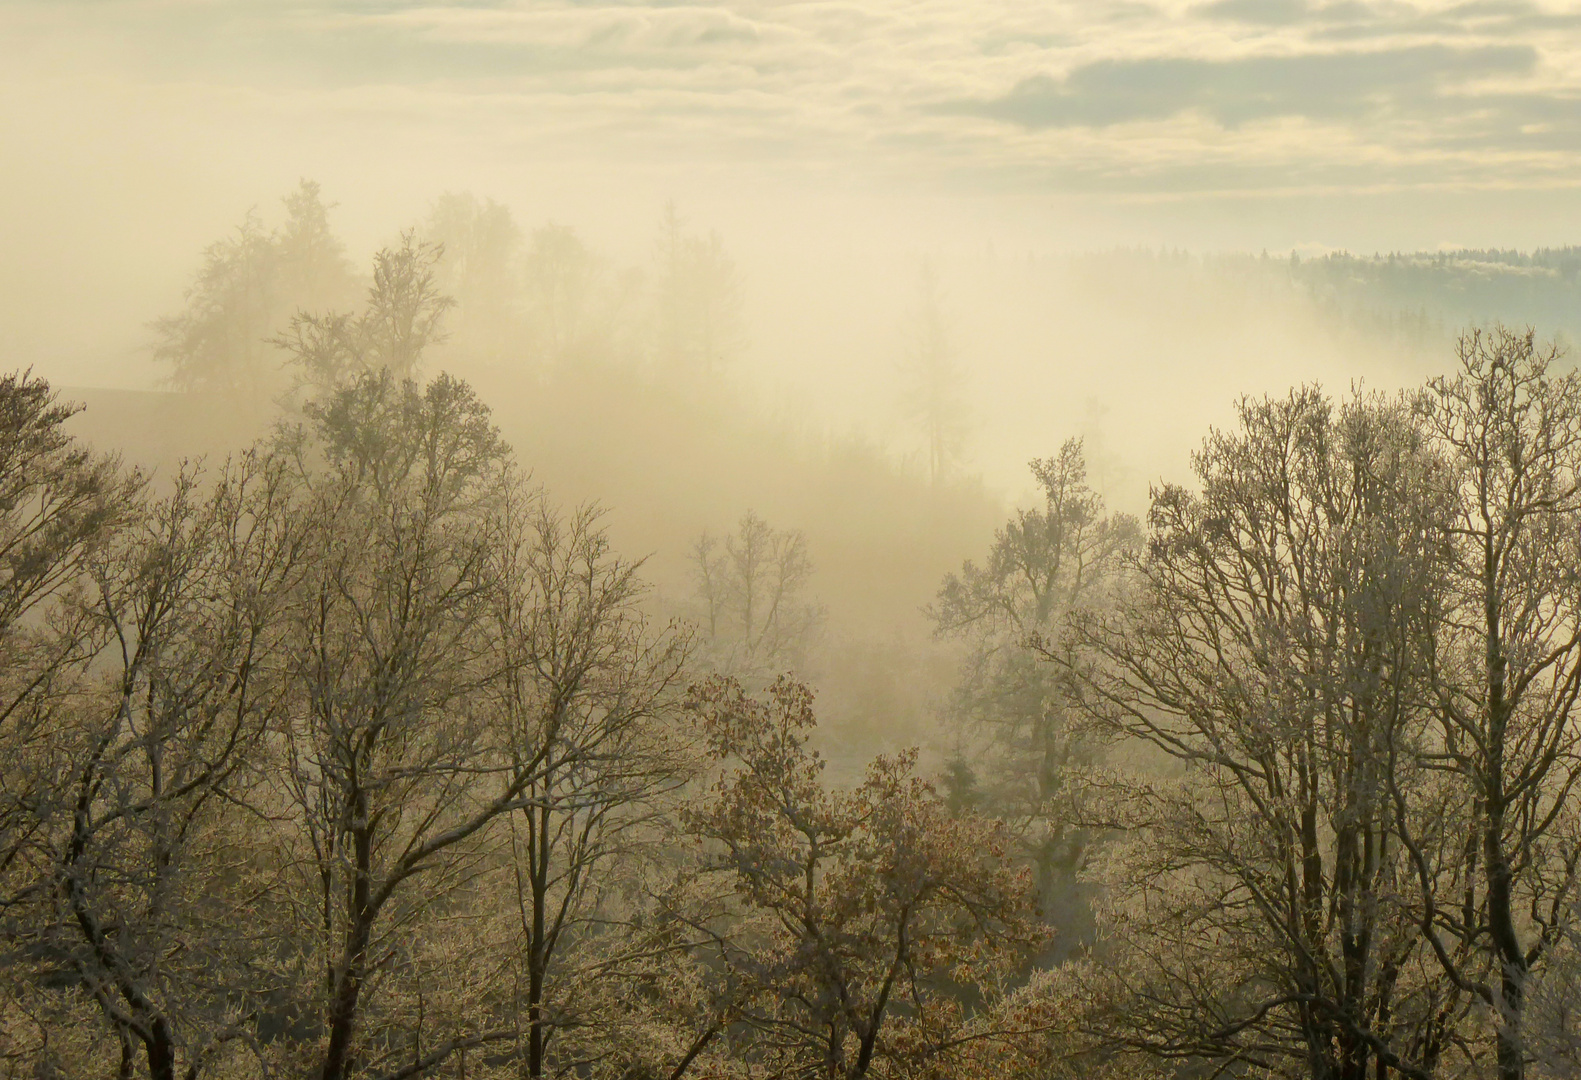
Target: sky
[(830, 133), (1085, 106), (1103, 102)]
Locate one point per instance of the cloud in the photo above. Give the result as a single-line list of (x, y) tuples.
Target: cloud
[(1191, 94), (1354, 20), (1512, 15), (1259, 12), (1303, 12), (1345, 86)]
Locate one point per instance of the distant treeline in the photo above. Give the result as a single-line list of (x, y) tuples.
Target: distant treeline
[(1435, 290), (1420, 299)]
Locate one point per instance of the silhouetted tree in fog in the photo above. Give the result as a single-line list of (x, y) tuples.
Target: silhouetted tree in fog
[(698, 297), (1045, 565), (479, 268), (405, 306), (245, 294), (564, 310), (220, 342), (314, 271), (755, 618), (934, 384), (402, 317)]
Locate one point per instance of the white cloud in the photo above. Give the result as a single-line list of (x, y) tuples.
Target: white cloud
[(1168, 97)]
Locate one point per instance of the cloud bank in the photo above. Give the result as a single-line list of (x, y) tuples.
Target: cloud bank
[(1162, 97)]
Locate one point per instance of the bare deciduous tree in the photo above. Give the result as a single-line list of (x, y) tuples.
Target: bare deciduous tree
[(401, 319), (394, 760), (754, 616), (1279, 648), (151, 751), (1509, 668), (589, 695), (1046, 564)]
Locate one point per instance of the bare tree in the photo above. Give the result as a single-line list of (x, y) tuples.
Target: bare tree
[(1279, 648), (589, 697), (405, 306), (1047, 564), (934, 383), (401, 319), (1509, 668), (394, 760), (149, 753), (60, 505), (749, 591)]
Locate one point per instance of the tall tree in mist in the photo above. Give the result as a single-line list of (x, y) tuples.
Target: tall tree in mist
[(479, 268), (1280, 647), (749, 589), (393, 764), (402, 318), (220, 342), (314, 270), (698, 298), (1509, 672), (1047, 564), (933, 391), (405, 307), (567, 316), (245, 293), (590, 696)]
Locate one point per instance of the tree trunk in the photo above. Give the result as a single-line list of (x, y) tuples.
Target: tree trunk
[(537, 951), (1501, 922), (348, 987), (343, 1007), (161, 1049)]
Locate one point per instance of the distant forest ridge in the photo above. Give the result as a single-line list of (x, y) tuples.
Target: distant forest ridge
[(1428, 296), (1540, 288)]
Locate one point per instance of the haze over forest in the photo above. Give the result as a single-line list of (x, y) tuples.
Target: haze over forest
[(790, 539)]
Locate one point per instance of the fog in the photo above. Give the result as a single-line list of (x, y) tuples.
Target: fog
[(1121, 282), (906, 349)]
